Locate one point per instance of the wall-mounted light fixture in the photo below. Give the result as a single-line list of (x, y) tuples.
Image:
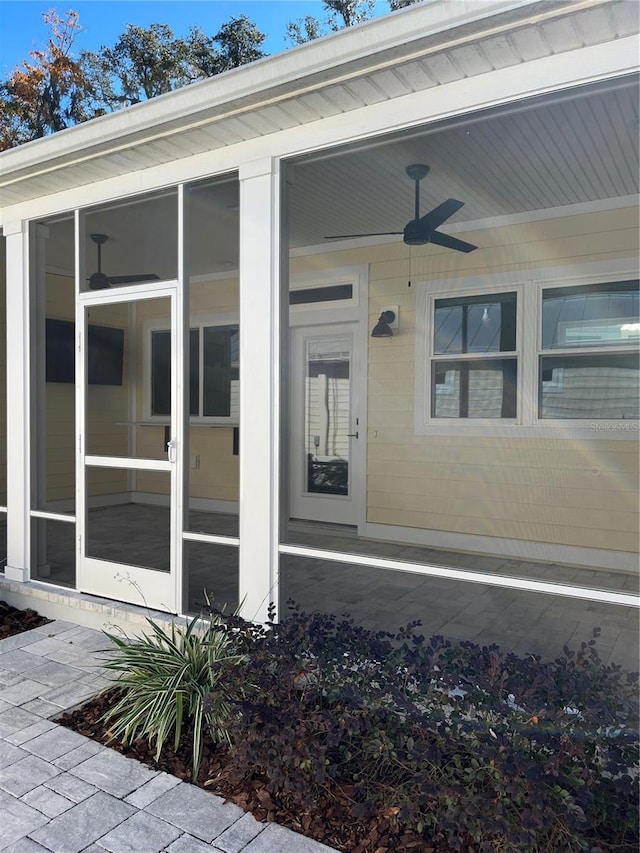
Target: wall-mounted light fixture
[(382, 328)]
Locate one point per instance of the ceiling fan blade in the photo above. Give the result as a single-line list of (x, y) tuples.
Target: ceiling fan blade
[(131, 279), (371, 234), (430, 221), (450, 242)]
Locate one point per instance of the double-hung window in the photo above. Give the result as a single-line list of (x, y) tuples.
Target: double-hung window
[(588, 362), (214, 352), (550, 351), (474, 363)]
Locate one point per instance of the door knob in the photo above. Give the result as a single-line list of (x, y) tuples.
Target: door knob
[(171, 450)]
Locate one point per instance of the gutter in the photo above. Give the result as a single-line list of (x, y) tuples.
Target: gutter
[(400, 37)]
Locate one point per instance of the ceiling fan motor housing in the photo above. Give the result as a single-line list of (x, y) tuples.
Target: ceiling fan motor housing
[(99, 281), (415, 233)]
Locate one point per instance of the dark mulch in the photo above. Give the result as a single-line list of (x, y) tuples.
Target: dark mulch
[(13, 621), (328, 821)]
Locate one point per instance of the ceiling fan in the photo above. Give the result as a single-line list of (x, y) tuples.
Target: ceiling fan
[(100, 281), (422, 229)]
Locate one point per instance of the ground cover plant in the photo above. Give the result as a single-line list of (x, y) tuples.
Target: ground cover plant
[(14, 621), (377, 742)]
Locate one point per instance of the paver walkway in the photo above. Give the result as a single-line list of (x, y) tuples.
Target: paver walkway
[(63, 793)]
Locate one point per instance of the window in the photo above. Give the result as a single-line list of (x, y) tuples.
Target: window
[(518, 353), (593, 332), (214, 353), (480, 382)]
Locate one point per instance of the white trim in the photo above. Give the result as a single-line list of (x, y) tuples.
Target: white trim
[(334, 509), (522, 584), (92, 575), (546, 552), (128, 463), (529, 283), (20, 243), (211, 539), (356, 313), (130, 583), (52, 516), (259, 387)]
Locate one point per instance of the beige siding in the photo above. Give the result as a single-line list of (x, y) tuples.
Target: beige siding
[(216, 478), (555, 491)]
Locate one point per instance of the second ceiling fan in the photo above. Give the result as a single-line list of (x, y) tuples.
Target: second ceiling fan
[(423, 229), (100, 281)]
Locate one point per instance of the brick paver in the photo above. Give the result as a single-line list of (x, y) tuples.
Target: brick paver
[(63, 793)]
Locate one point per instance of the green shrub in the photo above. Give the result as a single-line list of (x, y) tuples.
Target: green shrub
[(466, 744), (164, 678)]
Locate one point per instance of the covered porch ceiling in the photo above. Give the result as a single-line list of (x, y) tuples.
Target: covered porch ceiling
[(576, 151)]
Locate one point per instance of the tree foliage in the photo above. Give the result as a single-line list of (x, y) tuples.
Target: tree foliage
[(338, 15), (149, 61), (54, 90), (48, 92)]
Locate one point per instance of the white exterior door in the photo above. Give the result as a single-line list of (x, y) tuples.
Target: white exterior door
[(127, 447), (327, 428)]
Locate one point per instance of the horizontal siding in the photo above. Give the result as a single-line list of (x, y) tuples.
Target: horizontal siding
[(558, 491), (481, 505), (529, 531), (418, 489)]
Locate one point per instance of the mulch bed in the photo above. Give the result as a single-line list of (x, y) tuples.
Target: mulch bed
[(14, 621), (329, 819)]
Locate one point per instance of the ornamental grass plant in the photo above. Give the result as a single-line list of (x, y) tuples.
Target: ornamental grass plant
[(163, 679)]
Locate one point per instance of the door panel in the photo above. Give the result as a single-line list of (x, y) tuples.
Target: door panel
[(325, 426), (128, 522)]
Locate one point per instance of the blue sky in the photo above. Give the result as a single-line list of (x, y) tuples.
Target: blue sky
[(22, 29)]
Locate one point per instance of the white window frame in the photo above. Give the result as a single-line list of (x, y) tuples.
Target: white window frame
[(433, 357), (201, 322), (529, 285)]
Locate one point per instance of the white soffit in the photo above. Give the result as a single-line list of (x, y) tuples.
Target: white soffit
[(415, 49)]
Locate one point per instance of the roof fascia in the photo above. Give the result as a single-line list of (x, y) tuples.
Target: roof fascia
[(329, 60)]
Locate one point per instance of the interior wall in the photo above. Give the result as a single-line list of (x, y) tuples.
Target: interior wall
[(564, 492), (60, 462), (217, 474)]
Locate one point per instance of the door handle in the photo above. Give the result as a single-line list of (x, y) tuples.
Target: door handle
[(352, 435), (171, 450)]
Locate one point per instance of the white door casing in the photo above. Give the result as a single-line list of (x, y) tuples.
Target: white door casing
[(327, 427)]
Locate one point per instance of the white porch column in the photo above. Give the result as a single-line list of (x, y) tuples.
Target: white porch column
[(20, 260), (259, 388)]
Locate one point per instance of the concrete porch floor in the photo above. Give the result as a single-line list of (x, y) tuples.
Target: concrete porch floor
[(518, 621)]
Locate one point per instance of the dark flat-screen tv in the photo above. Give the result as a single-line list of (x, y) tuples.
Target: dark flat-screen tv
[(105, 353)]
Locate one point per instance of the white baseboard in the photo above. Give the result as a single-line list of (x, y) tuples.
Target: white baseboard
[(593, 558), (201, 504)]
